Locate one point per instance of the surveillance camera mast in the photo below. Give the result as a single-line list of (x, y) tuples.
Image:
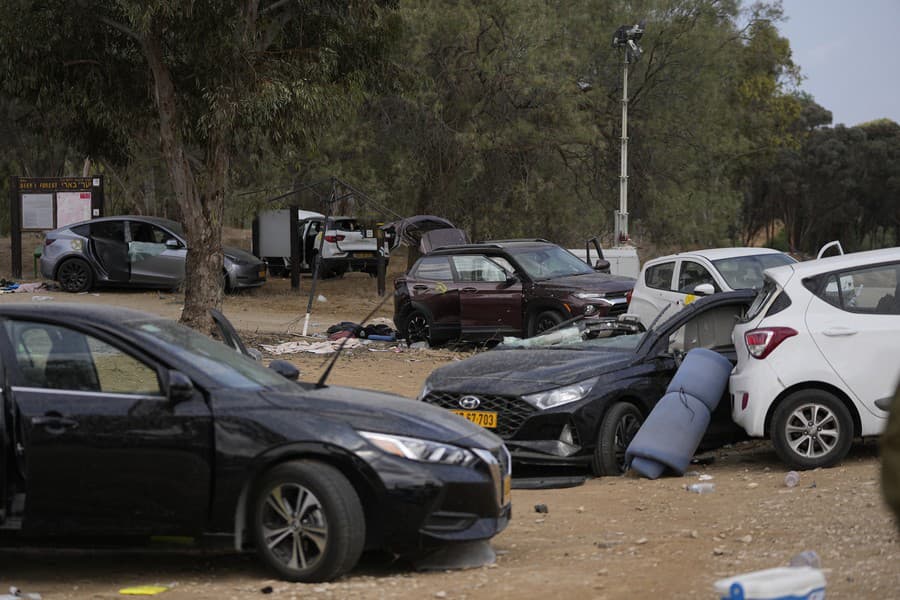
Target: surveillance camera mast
[(626, 38)]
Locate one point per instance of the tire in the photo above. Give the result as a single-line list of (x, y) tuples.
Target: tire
[(543, 321), (75, 275), (226, 284), (811, 429), (417, 327), (619, 426), (307, 522)]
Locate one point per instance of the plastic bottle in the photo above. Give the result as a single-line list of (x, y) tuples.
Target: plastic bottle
[(807, 558), (702, 488), (791, 479)]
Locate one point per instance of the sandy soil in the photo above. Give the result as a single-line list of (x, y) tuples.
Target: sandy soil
[(610, 538)]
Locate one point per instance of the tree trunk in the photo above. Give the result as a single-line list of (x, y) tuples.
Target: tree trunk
[(201, 210)]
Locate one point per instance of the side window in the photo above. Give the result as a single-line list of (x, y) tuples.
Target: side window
[(659, 277), (109, 230), (56, 357), (478, 268), (693, 274), (146, 242), (434, 268), (710, 329), (873, 290)]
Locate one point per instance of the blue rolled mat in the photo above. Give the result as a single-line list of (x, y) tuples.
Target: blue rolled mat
[(670, 435), (647, 468), (703, 374)]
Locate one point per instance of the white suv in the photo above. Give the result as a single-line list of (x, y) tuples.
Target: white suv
[(681, 278), (818, 348)]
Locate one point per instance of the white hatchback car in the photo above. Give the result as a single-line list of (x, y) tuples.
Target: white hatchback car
[(817, 349), (680, 278)]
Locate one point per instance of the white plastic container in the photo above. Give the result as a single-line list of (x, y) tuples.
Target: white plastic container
[(782, 583)]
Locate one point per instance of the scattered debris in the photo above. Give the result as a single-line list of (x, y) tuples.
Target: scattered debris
[(144, 590), (41, 298), (702, 488), (325, 347), (16, 594), (791, 479), (541, 508)]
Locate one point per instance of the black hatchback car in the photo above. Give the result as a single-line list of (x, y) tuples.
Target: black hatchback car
[(577, 395), (485, 291), (118, 423)]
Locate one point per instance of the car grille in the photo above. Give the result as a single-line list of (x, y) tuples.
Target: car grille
[(511, 411), (620, 303)]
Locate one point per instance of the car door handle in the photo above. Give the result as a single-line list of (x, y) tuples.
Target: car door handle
[(469, 290), (839, 332), (52, 422), (420, 288)]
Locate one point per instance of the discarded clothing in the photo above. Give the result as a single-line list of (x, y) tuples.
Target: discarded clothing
[(326, 347)]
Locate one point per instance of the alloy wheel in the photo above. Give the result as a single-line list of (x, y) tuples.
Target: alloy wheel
[(294, 527), (626, 428), (812, 430), (417, 328), (74, 276)]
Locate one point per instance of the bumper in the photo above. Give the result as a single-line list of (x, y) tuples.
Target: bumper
[(363, 261), (247, 276), (426, 505), (753, 386)]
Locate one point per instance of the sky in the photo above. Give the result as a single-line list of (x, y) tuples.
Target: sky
[(849, 54)]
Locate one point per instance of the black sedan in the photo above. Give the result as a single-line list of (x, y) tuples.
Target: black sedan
[(577, 395), (133, 251), (118, 423)]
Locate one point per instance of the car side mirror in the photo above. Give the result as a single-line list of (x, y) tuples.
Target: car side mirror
[(285, 369), (172, 244), (705, 289), (180, 387), (601, 265), (511, 279)]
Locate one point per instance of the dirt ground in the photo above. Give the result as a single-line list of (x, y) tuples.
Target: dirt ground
[(610, 538)]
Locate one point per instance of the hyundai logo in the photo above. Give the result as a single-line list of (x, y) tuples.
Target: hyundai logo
[(469, 402)]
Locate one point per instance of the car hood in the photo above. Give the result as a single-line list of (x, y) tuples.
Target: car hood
[(592, 282), (239, 256), (525, 371), (385, 413)]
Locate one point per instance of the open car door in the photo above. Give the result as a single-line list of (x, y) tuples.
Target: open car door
[(229, 334)]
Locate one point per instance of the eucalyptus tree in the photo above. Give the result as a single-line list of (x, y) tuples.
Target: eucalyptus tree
[(214, 78)]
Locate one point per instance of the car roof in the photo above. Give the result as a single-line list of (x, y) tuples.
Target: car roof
[(493, 245), (167, 223), (71, 312), (712, 254), (833, 263)]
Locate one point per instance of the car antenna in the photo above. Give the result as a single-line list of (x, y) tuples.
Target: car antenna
[(321, 382)]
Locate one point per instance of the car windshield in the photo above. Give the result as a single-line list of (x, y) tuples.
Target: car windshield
[(228, 367), (546, 262), (746, 272)]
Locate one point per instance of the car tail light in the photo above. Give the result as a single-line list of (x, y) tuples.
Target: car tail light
[(334, 238), (48, 241), (761, 342), (628, 295), (745, 400)]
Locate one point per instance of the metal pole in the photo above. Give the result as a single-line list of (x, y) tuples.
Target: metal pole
[(621, 217)]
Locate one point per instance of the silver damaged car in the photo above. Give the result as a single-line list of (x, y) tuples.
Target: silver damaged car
[(133, 251)]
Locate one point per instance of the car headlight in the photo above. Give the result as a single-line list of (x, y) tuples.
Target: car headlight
[(421, 450), (560, 396)]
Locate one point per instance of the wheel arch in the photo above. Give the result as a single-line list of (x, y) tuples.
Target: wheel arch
[(363, 479), (535, 307), (68, 256), (814, 385)]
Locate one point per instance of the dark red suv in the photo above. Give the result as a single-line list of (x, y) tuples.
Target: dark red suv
[(485, 291)]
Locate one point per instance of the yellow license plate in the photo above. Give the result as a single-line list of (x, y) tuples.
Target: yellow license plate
[(480, 417), (507, 489)]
